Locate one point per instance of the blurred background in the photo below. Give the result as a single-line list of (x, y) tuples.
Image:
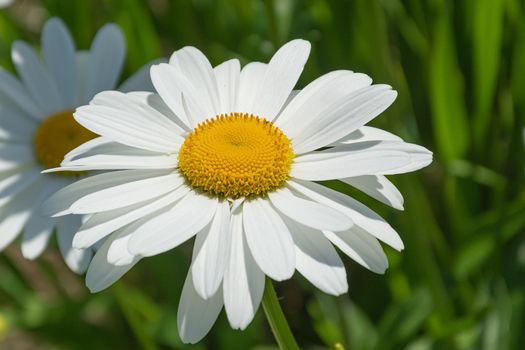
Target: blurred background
[(459, 68)]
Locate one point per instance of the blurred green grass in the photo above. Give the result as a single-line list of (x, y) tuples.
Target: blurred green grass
[(459, 68)]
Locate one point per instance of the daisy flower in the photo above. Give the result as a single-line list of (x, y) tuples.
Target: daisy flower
[(233, 156), (37, 129)]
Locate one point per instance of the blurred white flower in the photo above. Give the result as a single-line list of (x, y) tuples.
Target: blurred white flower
[(37, 128)]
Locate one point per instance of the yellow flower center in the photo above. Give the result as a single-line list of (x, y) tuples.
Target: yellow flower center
[(56, 136), (236, 155)]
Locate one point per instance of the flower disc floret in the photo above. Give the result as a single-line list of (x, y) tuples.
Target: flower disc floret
[(236, 155)]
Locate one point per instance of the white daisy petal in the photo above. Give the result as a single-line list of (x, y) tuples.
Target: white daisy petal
[(14, 125), (378, 187), (171, 85), (367, 133), (211, 253), (269, 239), (101, 274), (249, 81), (101, 153), (14, 183), (14, 216), (153, 100), (87, 147), (173, 226), (39, 228), (15, 155), (317, 260), (59, 54), (14, 95), (140, 80), (313, 101), (127, 193), (131, 129), (361, 215), (280, 77), (196, 315), (36, 235), (76, 259), (105, 61), (361, 158), (361, 247), (138, 103), (37, 79), (191, 62), (309, 213), (60, 203), (292, 95), (227, 77), (344, 116), (118, 253), (340, 162), (243, 284), (102, 224), (420, 157)]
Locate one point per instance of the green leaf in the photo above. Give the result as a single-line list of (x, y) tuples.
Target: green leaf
[(402, 321), (473, 255), (447, 101), (487, 37)]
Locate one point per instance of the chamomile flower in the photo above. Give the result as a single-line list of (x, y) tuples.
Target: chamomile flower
[(37, 129), (233, 156)]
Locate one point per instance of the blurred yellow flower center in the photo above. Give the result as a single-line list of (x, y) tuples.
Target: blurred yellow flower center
[(56, 136), (236, 155)]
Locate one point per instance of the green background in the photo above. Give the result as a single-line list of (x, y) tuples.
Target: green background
[(459, 68)]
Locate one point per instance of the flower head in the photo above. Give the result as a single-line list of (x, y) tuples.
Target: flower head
[(37, 129), (231, 155)]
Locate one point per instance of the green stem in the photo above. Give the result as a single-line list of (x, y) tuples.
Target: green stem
[(274, 314), (132, 318)]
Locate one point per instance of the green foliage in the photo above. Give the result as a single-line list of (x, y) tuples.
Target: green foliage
[(459, 68)]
